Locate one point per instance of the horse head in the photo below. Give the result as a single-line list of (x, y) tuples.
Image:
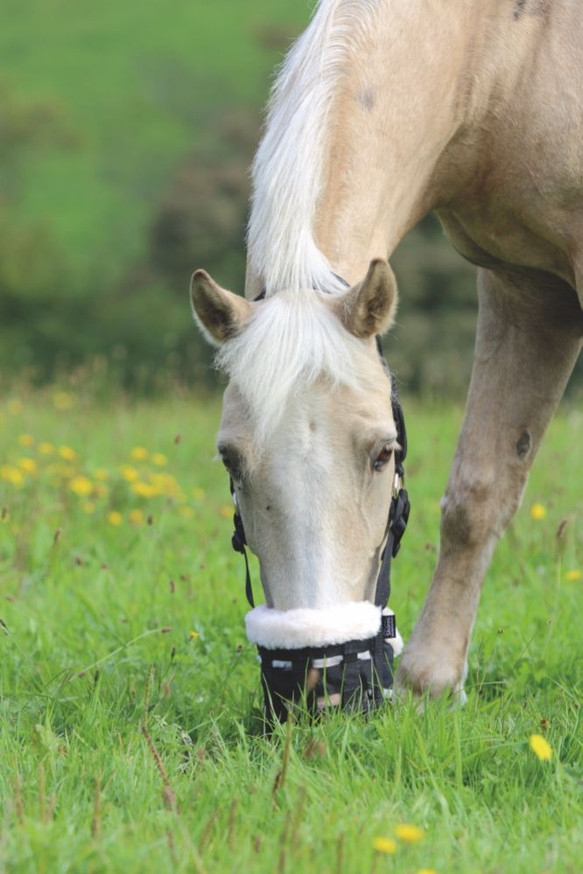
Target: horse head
[(308, 439)]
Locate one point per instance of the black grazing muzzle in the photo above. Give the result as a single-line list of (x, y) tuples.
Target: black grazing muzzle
[(355, 674)]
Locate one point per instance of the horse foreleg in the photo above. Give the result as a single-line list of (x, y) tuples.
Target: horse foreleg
[(528, 338)]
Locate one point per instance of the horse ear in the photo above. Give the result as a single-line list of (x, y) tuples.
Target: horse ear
[(368, 308), (219, 313)]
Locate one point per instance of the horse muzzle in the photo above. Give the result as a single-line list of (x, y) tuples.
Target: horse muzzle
[(314, 659)]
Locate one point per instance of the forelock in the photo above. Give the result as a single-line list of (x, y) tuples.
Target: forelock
[(290, 341)]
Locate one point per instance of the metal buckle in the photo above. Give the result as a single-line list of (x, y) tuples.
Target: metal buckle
[(397, 485)]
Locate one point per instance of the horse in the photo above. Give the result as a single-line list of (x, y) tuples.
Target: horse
[(382, 112)]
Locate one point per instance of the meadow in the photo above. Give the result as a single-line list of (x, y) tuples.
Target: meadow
[(130, 730)]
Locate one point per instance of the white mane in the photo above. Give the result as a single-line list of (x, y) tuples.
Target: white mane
[(291, 340), (290, 164)]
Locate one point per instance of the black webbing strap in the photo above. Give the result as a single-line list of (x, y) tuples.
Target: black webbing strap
[(239, 542), (399, 509)]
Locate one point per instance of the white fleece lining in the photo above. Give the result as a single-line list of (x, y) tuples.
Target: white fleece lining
[(294, 629)]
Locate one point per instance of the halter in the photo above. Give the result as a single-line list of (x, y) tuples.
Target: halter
[(356, 674)]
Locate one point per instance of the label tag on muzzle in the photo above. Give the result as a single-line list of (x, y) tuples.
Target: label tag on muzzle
[(388, 626)]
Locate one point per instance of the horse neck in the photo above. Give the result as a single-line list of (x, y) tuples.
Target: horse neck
[(395, 114), (342, 174)]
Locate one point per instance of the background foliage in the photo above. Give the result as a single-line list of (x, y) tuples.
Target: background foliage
[(127, 130)]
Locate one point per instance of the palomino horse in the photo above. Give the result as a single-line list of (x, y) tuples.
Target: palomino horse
[(383, 111)]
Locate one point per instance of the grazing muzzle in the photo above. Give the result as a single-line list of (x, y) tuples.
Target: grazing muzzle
[(342, 656)]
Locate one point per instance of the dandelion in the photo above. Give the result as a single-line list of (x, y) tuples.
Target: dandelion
[(88, 507), (187, 512), (129, 473), (573, 575), (26, 440), (101, 474), (138, 453), (46, 448), (537, 511), (159, 460), (198, 493), (540, 747), (426, 871), (15, 407), (67, 453), (28, 465), (100, 490), (165, 483), (114, 518), (63, 401), (136, 517), (226, 511), (384, 845), (409, 833), (144, 490), (81, 485), (193, 635), (11, 475)]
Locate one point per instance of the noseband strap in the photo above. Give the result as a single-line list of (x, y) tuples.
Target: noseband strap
[(356, 673)]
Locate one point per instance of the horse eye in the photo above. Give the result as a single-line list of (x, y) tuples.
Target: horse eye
[(383, 457), (232, 463)]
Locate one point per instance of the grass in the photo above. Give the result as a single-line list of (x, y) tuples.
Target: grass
[(129, 697)]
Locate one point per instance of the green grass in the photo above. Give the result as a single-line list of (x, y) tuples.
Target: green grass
[(96, 643), (139, 84)]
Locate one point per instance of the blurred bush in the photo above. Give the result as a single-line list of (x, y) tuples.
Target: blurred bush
[(138, 328)]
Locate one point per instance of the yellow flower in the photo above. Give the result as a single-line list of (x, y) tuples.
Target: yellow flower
[(11, 475), (573, 575), (15, 407), (426, 871), (136, 517), (540, 747), (129, 473), (46, 448), (199, 494), (26, 440), (67, 453), (537, 511), (384, 845), (81, 485), (138, 453), (193, 635), (188, 512), (165, 484), (144, 490), (88, 507), (101, 473), (409, 833), (159, 459), (226, 511), (114, 518), (63, 401), (28, 465), (100, 490)]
